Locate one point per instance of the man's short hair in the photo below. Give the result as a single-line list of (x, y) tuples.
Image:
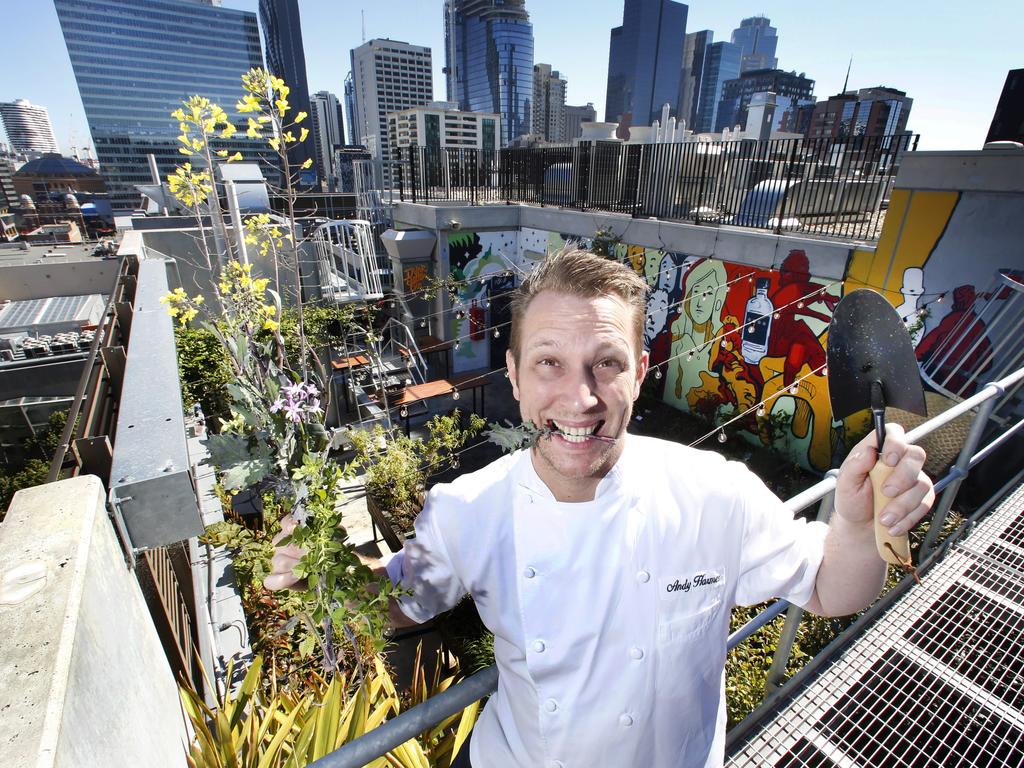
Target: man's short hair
[(578, 272)]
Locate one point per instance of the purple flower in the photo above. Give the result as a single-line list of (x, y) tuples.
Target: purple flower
[(293, 411), (311, 390), (313, 405), (277, 406), (294, 392)]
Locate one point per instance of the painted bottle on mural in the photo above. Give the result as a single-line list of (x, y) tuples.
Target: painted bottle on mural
[(476, 322), (757, 323)]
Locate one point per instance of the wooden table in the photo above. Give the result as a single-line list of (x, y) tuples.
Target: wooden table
[(431, 345), (343, 366), (417, 392)]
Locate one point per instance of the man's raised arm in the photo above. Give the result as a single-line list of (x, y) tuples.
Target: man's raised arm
[(852, 573)]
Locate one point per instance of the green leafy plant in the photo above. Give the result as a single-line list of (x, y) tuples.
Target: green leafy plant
[(205, 371), (252, 727), (397, 466), (511, 437)]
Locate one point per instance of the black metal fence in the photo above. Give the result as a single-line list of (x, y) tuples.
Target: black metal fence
[(832, 187)]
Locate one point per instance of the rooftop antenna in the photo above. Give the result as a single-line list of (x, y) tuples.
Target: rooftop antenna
[(363, 15), (846, 82)]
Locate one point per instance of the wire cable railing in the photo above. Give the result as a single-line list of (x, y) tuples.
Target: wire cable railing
[(418, 719)]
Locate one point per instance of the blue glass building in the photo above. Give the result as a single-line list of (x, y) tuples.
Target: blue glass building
[(282, 37), (489, 60), (758, 39), (721, 63), (134, 63), (645, 62)]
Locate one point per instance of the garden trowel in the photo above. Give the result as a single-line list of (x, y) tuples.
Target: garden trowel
[(871, 364)]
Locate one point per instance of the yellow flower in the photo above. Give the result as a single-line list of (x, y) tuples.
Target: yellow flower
[(222, 153), (307, 164), (271, 325), (289, 137), (303, 134), (178, 114), (275, 143), (184, 151), (282, 106), (300, 117), (198, 299), (228, 131), (236, 156)]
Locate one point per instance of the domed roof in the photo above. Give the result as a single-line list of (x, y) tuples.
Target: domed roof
[(53, 164)]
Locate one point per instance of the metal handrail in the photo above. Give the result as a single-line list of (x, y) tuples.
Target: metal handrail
[(421, 717)]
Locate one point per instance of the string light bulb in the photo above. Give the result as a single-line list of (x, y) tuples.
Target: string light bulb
[(404, 412), (497, 333), (761, 411), (455, 394), (722, 436), (657, 372), (794, 390), (456, 344)]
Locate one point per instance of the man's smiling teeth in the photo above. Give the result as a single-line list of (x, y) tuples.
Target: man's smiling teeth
[(575, 434)]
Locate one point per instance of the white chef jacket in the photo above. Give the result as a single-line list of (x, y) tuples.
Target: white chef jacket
[(610, 617)]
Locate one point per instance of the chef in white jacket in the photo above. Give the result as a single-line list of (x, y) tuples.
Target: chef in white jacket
[(607, 564)]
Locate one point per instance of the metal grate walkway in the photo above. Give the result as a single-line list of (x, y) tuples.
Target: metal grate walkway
[(938, 680)]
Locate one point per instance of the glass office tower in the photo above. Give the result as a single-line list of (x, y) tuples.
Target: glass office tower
[(721, 63), (282, 38), (135, 62), (489, 60), (758, 39), (645, 61)]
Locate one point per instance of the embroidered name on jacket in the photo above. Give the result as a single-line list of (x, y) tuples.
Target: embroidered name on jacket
[(700, 580)]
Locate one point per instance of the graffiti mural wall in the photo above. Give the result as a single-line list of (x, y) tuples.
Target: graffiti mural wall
[(734, 341), (731, 341)]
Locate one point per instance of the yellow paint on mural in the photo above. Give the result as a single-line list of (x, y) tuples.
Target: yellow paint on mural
[(913, 225)]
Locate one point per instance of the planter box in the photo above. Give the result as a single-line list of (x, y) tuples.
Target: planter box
[(394, 539)]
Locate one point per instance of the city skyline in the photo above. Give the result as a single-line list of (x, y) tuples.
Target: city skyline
[(905, 48)]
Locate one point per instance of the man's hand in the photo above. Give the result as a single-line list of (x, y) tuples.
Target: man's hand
[(852, 572), (908, 488), (285, 559)]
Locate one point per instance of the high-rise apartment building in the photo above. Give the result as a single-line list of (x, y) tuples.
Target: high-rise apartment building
[(350, 109), (282, 37), (328, 134), (387, 76), (878, 111), (135, 62), (489, 60), (790, 90), (693, 70), (721, 63), (28, 127), (758, 39), (548, 103), (575, 117), (441, 125), (645, 61)]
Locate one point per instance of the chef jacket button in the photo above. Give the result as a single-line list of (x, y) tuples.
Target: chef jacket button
[(529, 572), (538, 646), (636, 652), (551, 705), (643, 577), (625, 721)]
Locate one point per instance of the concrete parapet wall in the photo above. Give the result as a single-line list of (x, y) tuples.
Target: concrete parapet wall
[(83, 677)]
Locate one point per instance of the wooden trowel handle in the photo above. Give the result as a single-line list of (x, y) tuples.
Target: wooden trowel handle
[(900, 544)]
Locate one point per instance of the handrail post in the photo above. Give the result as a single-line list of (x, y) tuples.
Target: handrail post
[(785, 189), (794, 614), (963, 463)]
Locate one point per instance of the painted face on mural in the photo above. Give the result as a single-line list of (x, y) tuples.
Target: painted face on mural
[(579, 370), (702, 296)]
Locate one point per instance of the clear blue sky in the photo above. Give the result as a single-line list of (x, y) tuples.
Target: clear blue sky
[(950, 57)]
